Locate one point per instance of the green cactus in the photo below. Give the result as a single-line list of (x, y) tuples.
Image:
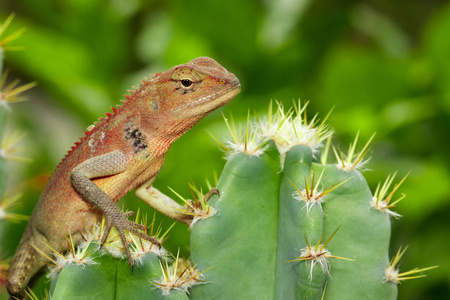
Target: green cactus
[(286, 226), (281, 222)]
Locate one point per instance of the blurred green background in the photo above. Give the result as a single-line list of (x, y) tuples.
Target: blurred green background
[(385, 65)]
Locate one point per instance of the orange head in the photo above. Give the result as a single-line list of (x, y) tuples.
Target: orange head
[(174, 101)]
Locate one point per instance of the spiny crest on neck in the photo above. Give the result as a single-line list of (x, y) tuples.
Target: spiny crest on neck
[(129, 99)]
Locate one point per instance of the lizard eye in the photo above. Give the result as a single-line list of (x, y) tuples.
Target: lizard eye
[(186, 83)]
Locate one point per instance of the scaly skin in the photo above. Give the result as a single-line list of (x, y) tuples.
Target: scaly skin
[(123, 151)]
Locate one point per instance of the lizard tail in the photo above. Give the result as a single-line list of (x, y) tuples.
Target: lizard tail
[(26, 263)]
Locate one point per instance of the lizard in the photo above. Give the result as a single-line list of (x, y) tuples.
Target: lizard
[(121, 151)]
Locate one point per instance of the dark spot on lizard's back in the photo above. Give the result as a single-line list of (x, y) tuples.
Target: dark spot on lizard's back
[(136, 139)]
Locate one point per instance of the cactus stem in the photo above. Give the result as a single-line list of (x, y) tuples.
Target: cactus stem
[(392, 273)]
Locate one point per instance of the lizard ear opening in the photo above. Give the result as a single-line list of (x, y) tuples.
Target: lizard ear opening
[(153, 105)]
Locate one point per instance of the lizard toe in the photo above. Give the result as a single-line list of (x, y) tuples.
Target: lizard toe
[(125, 247), (140, 227), (145, 237), (128, 214), (106, 232)]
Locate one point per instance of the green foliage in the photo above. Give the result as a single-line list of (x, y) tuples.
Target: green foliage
[(384, 65)]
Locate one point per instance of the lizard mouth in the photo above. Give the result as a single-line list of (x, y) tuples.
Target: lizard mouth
[(212, 101)]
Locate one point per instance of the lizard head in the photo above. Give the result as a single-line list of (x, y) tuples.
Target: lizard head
[(187, 93)]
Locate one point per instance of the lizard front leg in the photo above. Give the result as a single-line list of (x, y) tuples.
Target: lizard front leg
[(165, 204), (108, 164), (161, 202)]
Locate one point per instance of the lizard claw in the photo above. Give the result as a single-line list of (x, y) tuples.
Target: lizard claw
[(213, 191), (193, 209), (121, 223), (190, 207)]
